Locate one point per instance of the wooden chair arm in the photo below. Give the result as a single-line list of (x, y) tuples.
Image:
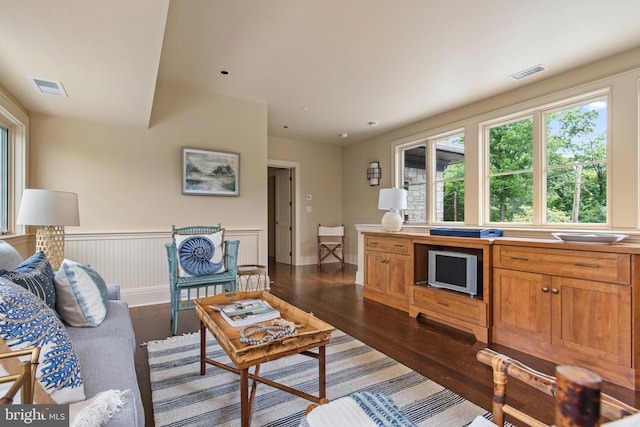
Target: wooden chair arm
[(25, 380), (576, 390)]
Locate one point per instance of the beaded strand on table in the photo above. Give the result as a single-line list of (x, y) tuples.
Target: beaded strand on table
[(279, 328)]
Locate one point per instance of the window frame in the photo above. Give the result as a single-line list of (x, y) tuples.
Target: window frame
[(429, 141), (539, 166), (16, 120)]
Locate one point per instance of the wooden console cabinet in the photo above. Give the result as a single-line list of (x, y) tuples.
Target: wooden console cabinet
[(569, 306), (394, 262), (387, 270), (569, 303), (449, 307)]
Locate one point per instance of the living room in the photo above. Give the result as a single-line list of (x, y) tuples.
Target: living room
[(124, 161)]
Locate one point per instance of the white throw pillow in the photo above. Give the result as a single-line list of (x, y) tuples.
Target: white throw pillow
[(98, 410), (81, 295), (200, 254)]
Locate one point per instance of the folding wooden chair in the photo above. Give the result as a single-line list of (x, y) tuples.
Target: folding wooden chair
[(331, 242)]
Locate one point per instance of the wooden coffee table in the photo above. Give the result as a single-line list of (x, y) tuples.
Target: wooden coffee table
[(314, 333)]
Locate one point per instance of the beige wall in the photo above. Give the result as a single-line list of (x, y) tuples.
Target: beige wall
[(360, 201), (128, 179), (319, 174)]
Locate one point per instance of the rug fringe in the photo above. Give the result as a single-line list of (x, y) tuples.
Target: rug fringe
[(171, 338)]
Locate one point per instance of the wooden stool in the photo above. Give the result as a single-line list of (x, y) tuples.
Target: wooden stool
[(252, 278)]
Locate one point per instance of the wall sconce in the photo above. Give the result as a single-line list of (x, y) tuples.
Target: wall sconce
[(374, 173)]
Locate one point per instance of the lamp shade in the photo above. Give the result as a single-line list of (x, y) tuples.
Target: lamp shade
[(48, 207), (392, 198)]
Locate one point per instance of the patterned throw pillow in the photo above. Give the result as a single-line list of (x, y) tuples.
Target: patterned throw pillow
[(26, 321), (35, 275), (200, 254), (81, 295)]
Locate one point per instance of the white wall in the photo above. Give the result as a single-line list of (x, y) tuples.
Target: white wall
[(129, 179), (320, 175), (621, 73)]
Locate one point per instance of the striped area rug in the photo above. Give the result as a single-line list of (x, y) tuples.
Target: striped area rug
[(181, 397)]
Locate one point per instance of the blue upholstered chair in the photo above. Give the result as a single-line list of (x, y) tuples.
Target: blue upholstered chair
[(192, 268)]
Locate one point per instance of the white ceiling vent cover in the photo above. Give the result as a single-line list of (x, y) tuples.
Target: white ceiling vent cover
[(528, 72), (51, 87)]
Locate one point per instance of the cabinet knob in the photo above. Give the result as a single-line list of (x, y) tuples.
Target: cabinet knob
[(555, 291), (545, 289)]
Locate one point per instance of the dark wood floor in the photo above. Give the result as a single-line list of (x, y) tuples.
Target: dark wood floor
[(443, 354)]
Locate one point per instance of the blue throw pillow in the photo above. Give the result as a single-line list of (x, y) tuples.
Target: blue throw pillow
[(25, 322), (35, 275)]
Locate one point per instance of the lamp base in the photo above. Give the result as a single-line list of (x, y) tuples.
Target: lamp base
[(391, 221), (50, 240)]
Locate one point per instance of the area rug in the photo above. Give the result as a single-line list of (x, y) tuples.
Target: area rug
[(181, 397)]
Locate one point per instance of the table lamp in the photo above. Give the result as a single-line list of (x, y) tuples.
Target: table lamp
[(392, 200), (50, 211)]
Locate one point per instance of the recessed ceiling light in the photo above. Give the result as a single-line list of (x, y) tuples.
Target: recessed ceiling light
[(224, 72), (344, 135), (373, 124)]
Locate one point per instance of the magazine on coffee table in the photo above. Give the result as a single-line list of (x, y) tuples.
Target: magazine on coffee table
[(247, 311)]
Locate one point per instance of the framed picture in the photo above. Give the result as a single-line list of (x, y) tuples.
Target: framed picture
[(210, 173)]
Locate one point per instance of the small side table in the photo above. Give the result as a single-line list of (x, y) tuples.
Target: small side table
[(252, 278)]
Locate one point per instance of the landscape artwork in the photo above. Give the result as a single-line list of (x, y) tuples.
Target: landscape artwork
[(210, 173)]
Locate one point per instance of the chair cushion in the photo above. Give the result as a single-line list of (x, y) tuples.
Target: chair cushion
[(36, 275), (26, 321), (200, 254), (81, 295)]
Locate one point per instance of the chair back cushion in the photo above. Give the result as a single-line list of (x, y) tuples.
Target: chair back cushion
[(330, 231), (200, 254)]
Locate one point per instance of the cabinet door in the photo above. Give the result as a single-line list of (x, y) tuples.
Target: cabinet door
[(375, 271), (593, 319), (399, 278), (521, 308)]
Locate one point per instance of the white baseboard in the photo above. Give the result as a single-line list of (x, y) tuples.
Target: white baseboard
[(146, 296)]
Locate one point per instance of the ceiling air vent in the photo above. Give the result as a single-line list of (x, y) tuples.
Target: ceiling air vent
[(51, 87), (528, 72)]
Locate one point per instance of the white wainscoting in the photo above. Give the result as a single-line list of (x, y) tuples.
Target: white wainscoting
[(138, 261)]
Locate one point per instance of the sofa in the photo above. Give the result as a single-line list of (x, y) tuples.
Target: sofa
[(105, 353)]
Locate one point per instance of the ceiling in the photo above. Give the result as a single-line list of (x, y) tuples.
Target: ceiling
[(323, 67)]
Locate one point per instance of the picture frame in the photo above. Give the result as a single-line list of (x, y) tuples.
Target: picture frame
[(210, 172)]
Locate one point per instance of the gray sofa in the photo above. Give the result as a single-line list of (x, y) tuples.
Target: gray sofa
[(106, 353)]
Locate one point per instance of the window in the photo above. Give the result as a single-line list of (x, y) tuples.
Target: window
[(449, 179), (572, 151), (511, 171), (414, 177), (445, 178), (576, 171), (4, 179)]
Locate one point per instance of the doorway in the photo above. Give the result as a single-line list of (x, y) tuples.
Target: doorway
[(281, 218)]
